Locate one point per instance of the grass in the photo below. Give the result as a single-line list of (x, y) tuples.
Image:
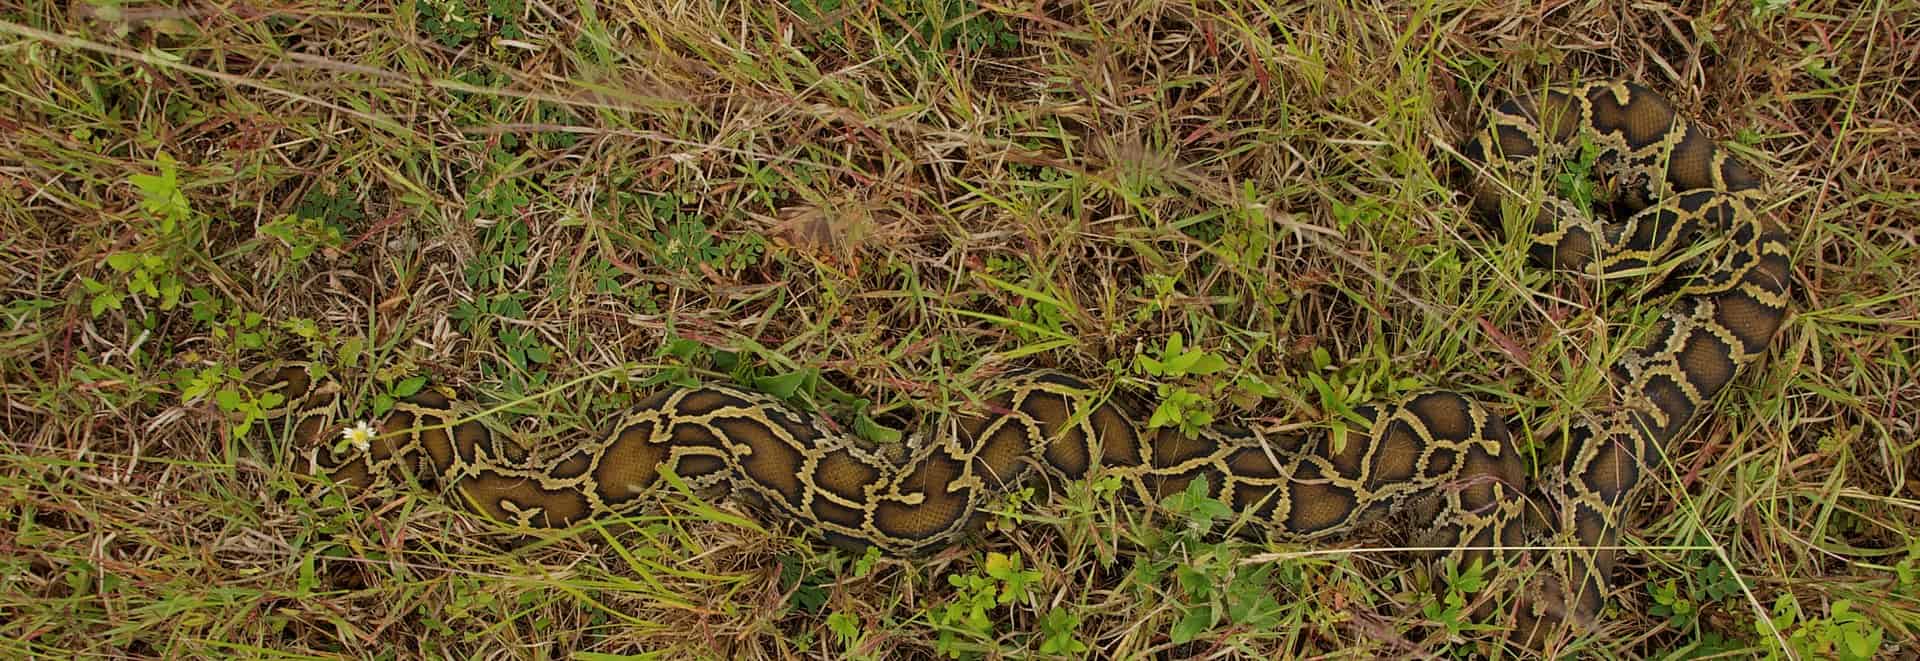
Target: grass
[(871, 209)]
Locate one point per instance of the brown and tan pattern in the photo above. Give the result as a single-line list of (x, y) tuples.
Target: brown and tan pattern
[(1439, 455)]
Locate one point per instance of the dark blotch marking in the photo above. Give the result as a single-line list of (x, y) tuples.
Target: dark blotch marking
[(468, 438), (854, 545), (1483, 476), (438, 446), (1317, 507), (1554, 113), (831, 512), (1063, 380), (1164, 486), (940, 510), (1751, 321), (430, 399), (769, 462), (1351, 460), (1737, 175), (1002, 458), (1440, 461), (1119, 441), (1643, 119), (573, 465), (655, 401), (705, 401), (1258, 499), (1707, 362), (692, 435), (843, 475), (396, 426), (692, 466), (1770, 275), (630, 464), (354, 473), (1667, 395), (1171, 447), (292, 381), (558, 508), (1691, 164), (1065, 445), (805, 434), (1651, 228), (1448, 416), (1513, 142), (1398, 456), (1572, 252), (1611, 474), (1252, 463), (1719, 214)]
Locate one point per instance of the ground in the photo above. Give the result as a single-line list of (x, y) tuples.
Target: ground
[(870, 208)]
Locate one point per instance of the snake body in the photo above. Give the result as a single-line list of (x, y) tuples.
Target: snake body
[(1439, 457)]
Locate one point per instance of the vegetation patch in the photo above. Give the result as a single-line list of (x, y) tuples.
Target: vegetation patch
[(1240, 211)]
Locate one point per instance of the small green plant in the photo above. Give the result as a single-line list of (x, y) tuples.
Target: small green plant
[(1040, 315), (846, 630), (1250, 244), (1213, 585), (1843, 634), (1056, 633), (226, 321), (1906, 573), (685, 242), (229, 393), (1575, 181), (334, 209), (1179, 407), (1673, 604), (1342, 391), (153, 269), (1682, 602), (303, 235), (1163, 288), (396, 391), (522, 348), (1362, 213), (453, 23), (1451, 609), (1001, 581)]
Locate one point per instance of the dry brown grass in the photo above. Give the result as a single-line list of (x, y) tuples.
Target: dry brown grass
[(906, 215)]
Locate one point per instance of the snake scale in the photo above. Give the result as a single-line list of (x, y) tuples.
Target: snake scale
[(1440, 458)]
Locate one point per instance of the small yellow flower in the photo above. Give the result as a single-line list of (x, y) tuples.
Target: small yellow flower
[(360, 436)]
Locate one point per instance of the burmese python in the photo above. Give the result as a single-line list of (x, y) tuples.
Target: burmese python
[(1439, 457)]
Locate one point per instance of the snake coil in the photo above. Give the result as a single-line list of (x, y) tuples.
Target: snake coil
[(1439, 455)]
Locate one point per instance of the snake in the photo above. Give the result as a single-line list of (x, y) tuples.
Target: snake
[(1440, 460)]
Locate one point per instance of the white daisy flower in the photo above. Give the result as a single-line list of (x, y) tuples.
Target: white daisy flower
[(359, 436)]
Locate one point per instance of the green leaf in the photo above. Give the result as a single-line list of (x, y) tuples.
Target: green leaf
[(1196, 622), (867, 428), (123, 261), (1207, 363), (784, 385), (104, 301), (845, 626), (409, 387), (1255, 386), (1167, 414), (228, 399)]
